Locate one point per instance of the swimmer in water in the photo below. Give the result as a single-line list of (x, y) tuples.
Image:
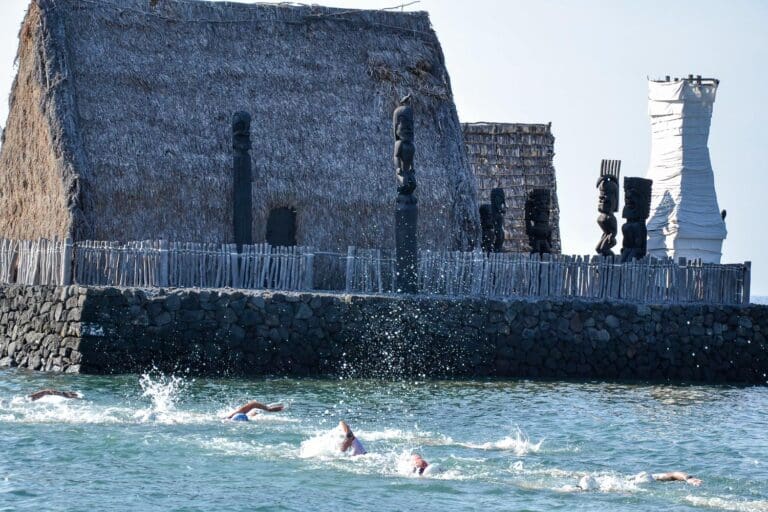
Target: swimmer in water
[(418, 463), (350, 442), (242, 413), (588, 482), (37, 395), (675, 476)]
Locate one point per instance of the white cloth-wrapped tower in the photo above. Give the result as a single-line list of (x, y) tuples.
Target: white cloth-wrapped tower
[(685, 220)]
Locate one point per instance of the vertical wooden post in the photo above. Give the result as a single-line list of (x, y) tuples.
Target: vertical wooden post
[(36, 271), (544, 265), (406, 244), (747, 273), (379, 282), (477, 272), (682, 282), (66, 263), (163, 250), (234, 262), (309, 269), (350, 268)]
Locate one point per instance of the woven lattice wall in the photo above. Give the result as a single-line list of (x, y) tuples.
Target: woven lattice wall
[(517, 158)]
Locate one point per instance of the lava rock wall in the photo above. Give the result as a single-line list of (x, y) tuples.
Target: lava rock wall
[(226, 332)]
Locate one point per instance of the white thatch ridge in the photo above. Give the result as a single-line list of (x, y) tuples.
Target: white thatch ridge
[(129, 108)]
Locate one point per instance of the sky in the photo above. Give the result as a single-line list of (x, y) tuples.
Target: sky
[(583, 66)]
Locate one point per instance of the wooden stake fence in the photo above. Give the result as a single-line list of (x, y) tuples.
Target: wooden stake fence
[(155, 263), (369, 271), (34, 262), (179, 264), (649, 280)]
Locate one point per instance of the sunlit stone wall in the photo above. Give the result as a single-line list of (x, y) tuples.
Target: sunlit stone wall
[(226, 332)]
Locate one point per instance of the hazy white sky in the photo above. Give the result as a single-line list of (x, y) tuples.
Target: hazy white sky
[(583, 65)]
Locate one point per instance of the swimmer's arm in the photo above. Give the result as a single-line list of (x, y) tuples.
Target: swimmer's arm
[(346, 444), (52, 392), (256, 405), (348, 436), (37, 395), (678, 476)]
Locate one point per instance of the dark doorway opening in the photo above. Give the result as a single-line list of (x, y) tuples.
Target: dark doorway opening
[(281, 227)]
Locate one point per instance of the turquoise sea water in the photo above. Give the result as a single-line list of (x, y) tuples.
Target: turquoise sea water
[(158, 443)]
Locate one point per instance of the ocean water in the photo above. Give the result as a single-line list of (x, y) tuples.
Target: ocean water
[(157, 442)]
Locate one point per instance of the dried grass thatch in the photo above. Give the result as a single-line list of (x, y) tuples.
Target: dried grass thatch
[(517, 158), (120, 120), (39, 188)]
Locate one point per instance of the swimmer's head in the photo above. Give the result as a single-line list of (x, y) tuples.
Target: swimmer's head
[(418, 463), (239, 417)]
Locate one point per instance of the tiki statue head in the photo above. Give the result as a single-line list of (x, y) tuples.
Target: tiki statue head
[(241, 131), (637, 198), (537, 226)]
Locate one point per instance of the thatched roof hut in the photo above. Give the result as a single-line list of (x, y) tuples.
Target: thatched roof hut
[(119, 124), (518, 158)]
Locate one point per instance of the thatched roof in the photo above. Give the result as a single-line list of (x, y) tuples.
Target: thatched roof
[(518, 158), (119, 124)]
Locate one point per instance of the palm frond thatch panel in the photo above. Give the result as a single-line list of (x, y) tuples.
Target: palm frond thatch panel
[(518, 158), (147, 96), (38, 186)]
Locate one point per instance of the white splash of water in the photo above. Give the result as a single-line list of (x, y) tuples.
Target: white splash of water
[(726, 504), (323, 445), (163, 392), (613, 483), (386, 434), (603, 482), (326, 443), (580, 481), (519, 443), (403, 465), (56, 409)]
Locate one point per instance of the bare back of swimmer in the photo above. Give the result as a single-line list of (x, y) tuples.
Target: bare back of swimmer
[(677, 476), (37, 395)]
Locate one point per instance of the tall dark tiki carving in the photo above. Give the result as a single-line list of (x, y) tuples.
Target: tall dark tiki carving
[(537, 225), (498, 209), (242, 215), (407, 210), (607, 205), (402, 126), (637, 207), (486, 227)]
